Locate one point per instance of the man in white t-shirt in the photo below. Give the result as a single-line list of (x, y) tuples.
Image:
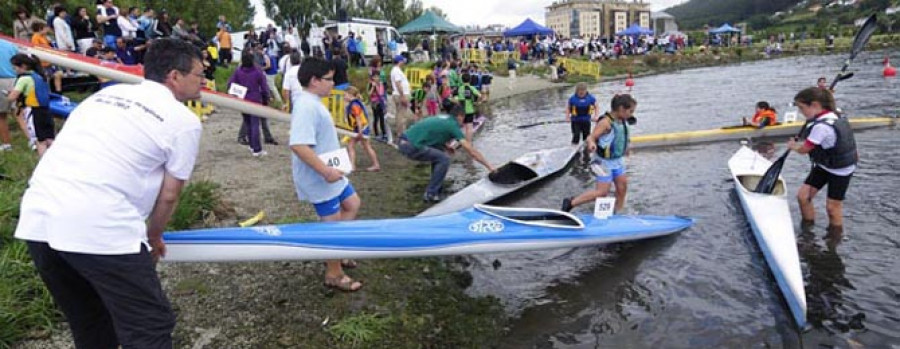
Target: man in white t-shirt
[(290, 84), (97, 203), (400, 96)]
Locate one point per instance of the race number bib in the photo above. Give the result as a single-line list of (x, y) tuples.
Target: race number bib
[(338, 159), (237, 90), (603, 207)]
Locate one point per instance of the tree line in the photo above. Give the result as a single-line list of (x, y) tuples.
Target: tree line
[(302, 14)]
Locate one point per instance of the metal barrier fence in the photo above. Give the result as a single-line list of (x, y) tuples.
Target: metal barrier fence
[(574, 66)]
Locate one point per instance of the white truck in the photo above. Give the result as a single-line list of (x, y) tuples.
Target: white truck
[(370, 30)]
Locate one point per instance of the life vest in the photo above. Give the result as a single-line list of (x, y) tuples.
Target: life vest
[(39, 96), (351, 119), (843, 153), (765, 114), (613, 148), (582, 107)]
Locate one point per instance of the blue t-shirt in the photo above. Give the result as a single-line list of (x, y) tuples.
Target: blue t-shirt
[(311, 125), (581, 108), (7, 50)]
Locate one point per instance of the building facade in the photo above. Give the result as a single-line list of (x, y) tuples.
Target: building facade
[(595, 18)]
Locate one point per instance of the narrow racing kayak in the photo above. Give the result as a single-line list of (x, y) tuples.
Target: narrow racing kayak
[(770, 220), (512, 176), (481, 229), (736, 133)]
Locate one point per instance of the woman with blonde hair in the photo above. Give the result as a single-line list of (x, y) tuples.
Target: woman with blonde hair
[(357, 117)]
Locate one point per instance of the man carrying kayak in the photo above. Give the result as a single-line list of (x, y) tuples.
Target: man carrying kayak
[(765, 116), (581, 110), (610, 142), (427, 141), (831, 146)]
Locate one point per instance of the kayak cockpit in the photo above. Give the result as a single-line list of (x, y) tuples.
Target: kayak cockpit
[(750, 182), (512, 173), (533, 216)]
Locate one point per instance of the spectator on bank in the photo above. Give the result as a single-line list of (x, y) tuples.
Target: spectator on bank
[(22, 24), (107, 17), (85, 29), (62, 31)]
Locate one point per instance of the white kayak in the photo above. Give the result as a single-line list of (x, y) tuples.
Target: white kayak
[(770, 219), (512, 176)]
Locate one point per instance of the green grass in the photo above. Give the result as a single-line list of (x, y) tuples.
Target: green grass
[(361, 330)]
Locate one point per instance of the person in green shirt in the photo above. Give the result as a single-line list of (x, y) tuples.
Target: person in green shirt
[(467, 96), (427, 140)]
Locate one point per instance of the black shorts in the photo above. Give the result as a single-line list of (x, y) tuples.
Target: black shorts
[(44, 128), (837, 185), (469, 118)]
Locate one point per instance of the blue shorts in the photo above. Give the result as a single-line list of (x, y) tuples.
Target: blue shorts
[(342, 87), (330, 207), (607, 170), (365, 131)]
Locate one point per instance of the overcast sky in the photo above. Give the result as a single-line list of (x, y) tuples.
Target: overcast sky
[(506, 12)]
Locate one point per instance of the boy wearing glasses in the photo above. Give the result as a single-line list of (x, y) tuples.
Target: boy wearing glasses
[(312, 134)]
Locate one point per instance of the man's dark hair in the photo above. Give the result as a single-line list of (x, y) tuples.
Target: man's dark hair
[(295, 58), (166, 55), (247, 59), (622, 101), (458, 110), (58, 9), (313, 67)]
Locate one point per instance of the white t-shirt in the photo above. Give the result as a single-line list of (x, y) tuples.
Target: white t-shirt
[(283, 64), (824, 136), (94, 189), (291, 83), (397, 75)]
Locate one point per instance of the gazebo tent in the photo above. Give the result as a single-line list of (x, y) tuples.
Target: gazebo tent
[(635, 30), (724, 29), (528, 27), (429, 23)]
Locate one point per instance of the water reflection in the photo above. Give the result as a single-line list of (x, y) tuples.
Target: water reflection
[(826, 282)]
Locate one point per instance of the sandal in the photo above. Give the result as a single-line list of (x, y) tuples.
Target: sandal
[(349, 264), (343, 283), (373, 169)]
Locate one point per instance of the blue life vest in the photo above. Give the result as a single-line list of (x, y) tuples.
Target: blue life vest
[(41, 89), (581, 108), (351, 120), (613, 144), (273, 65)]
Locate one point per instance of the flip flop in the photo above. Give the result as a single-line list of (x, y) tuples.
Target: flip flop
[(343, 283), (349, 263), (373, 169)]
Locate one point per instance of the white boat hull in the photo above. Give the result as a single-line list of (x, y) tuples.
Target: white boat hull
[(518, 173), (770, 219)]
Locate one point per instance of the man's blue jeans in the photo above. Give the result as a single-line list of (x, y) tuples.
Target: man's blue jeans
[(440, 162)]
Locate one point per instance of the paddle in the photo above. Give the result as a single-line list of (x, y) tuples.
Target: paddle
[(770, 178), (548, 122)]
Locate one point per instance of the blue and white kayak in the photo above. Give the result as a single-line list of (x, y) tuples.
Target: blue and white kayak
[(482, 229), (770, 220)]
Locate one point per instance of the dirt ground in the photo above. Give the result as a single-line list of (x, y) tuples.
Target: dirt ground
[(256, 305)]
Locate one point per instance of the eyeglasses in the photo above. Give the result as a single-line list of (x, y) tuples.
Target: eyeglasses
[(329, 78), (199, 75)]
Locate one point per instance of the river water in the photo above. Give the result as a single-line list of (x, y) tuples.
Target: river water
[(709, 286)]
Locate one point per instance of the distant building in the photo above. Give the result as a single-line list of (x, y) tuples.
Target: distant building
[(662, 22), (599, 18)]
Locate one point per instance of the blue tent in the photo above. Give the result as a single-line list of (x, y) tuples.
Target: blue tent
[(635, 30), (528, 27), (725, 28)]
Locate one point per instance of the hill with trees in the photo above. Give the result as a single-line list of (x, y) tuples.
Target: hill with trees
[(695, 14)]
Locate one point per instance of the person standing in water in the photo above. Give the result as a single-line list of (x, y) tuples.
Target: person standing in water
[(609, 140), (828, 139), (581, 110)]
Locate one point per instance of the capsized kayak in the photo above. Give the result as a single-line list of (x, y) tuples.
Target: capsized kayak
[(481, 229), (736, 133), (770, 220), (514, 175)]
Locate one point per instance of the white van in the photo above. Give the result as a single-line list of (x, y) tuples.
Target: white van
[(367, 29)]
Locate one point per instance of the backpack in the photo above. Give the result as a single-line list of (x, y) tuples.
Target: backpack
[(41, 89)]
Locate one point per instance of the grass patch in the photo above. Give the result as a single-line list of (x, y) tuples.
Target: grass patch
[(361, 330), (198, 204)]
